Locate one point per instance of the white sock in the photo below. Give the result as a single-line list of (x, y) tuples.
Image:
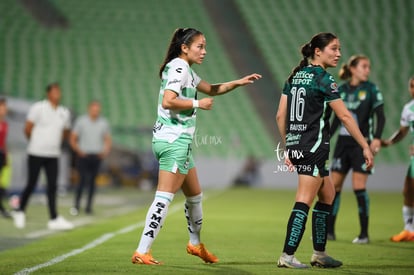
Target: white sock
[(154, 220), (319, 253), (194, 215), (408, 215)]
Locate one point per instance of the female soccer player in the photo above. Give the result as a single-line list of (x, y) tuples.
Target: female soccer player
[(363, 100), (172, 137), (303, 121), (407, 124)]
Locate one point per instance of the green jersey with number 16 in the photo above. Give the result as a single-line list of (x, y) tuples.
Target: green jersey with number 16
[(171, 125), (307, 120)]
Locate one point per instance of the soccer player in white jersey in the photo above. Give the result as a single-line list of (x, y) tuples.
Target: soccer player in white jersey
[(172, 137), (406, 125)]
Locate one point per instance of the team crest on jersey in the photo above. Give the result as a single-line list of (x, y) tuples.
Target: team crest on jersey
[(362, 95), (334, 87)]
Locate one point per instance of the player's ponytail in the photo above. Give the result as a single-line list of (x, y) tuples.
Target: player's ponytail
[(320, 40), (345, 71), (306, 51), (180, 36)]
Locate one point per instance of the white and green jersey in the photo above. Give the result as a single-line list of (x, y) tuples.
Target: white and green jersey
[(171, 125), (407, 118)]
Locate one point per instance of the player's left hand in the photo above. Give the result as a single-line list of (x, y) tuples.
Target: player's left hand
[(375, 145), (249, 79), (369, 158), (289, 164)]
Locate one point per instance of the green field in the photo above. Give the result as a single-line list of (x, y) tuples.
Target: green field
[(245, 228)]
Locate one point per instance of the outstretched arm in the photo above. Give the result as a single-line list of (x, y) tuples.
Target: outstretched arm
[(396, 137), (223, 88)]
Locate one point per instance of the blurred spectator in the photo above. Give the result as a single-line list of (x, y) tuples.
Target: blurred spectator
[(46, 125), (3, 156), (91, 141), (249, 176)]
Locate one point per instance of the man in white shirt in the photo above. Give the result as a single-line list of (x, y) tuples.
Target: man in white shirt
[(47, 125)]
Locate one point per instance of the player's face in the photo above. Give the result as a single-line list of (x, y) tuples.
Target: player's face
[(361, 71), (411, 87), (330, 55), (197, 50)]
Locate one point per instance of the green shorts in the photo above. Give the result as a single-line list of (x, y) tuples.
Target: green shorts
[(410, 172), (173, 156)]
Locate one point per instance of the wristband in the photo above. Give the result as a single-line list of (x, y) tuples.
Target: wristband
[(195, 103)]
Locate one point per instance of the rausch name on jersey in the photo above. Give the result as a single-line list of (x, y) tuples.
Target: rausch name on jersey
[(298, 127)]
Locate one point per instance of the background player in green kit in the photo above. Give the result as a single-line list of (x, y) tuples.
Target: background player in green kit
[(364, 101), (172, 137), (303, 122), (406, 124)]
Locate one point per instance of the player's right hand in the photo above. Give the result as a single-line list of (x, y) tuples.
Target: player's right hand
[(206, 103)]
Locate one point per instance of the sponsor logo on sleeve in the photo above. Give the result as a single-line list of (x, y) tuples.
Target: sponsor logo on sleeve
[(173, 81)]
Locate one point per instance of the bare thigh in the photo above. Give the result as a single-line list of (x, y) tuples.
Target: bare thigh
[(169, 181)]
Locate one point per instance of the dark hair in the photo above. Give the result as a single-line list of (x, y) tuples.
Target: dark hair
[(3, 101), (51, 86), (320, 40), (93, 102), (181, 36), (345, 71)]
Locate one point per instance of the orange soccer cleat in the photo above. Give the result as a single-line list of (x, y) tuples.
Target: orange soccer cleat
[(202, 252), (403, 236), (147, 258)]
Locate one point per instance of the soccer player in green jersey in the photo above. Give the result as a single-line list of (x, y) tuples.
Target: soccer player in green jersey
[(309, 96), (364, 101), (172, 137), (406, 125)]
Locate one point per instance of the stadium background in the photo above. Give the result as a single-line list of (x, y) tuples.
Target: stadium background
[(111, 50)]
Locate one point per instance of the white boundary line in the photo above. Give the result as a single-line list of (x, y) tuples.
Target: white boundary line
[(93, 244)]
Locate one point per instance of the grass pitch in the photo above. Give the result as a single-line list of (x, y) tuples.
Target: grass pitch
[(245, 228)]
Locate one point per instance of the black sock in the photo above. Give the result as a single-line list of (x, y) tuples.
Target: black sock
[(320, 214), (295, 227), (363, 209), (334, 213)]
